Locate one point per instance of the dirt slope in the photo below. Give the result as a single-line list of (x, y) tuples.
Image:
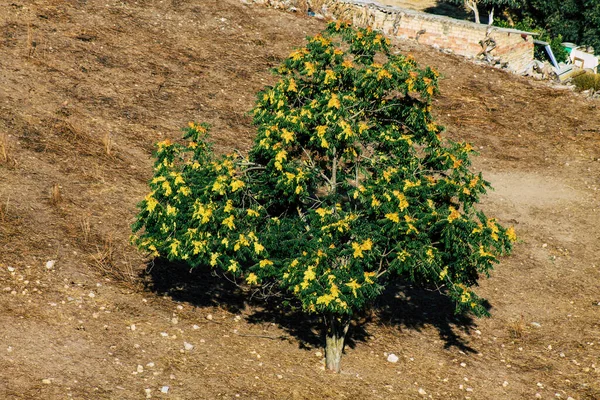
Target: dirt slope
[(87, 87)]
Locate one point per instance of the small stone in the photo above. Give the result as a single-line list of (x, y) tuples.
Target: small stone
[(538, 396), (469, 389), (562, 355), (504, 384), (180, 307), (195, 327), (174, 321), (392, 358), (422, 392), (478, 332), (540, 385), (544, 245), (188, 346), (164, 389), (237, 318), (536, 324), (150, 365), (11, 269), (209, 317), (140, 369), (46, 381), (50, 264), (164, 334), (319, 354), (279, 376), (463, 365), (148, 393), (91, 295)]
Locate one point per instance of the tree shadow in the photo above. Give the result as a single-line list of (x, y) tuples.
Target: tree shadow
[(449, 10), (401, 305)]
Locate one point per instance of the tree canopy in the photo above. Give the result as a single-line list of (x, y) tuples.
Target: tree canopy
[(349, 185)]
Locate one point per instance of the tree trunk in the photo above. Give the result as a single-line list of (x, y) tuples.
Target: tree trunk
[(472, 5), (334, 340)]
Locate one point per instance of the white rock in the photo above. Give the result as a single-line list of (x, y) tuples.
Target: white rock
[(132, 327), (140, 369), (422, 392), (50, 264), (279, 376), (164, 389), (92, 295), (538, 396), (174, 321), (150, 365), (164, 334), (180, 307), (536, 324), (463, 365), (505, 384), (319, 354), (11, 269), (195, 327), (46, 381), (188, 346), (392, 358), (209, 317)]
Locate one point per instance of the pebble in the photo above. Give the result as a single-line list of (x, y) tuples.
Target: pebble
[(279, 376), (463, 365), (174, 321), (319, 354), (50, 264), (538, 396), (188, 346), (46, 381), (164, 389), (536, 324), (195, 327), (150, 365), (209, 317), (392, 358), (164, 334), (422, 392), (504, 384), (11, 269), (140, 369), (148, 393), (132, 327)]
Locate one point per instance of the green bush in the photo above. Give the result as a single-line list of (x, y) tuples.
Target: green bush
[(586, 81), (348, 186)]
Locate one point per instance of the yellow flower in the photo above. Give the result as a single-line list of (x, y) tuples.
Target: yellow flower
[(444, 273), (346, 129), (357, 250), (174, 245), (184, 190), (171, 210), (374, 202), (383, 74), (265, 262), (252, 279), (287, 136), (454, 214), (354, 286), (233, 266), (511, 235), (325, 299), (213, 259), (258, 248), (237, 184), (292, 86), (334, 101), (310, 68), (167, 188), (402, 202), (368, 276), (151, 202), (252, 212), (225, 242), (465, 297), (329, 76), (228, 222), (347, 64), (367, 245), (322, 212), (393, 217), (228, 206)]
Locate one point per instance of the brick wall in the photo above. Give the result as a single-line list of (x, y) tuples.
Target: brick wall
[(462, 37)]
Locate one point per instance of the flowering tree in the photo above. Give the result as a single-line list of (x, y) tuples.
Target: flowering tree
[(348, 186)]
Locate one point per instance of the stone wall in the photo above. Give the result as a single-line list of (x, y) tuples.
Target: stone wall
[(462, 37)]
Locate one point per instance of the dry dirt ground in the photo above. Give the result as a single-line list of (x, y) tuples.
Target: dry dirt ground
[(87, 87)]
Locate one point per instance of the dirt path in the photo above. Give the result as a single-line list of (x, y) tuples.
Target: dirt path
[(86, 89)]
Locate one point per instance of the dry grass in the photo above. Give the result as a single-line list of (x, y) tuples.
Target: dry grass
[(108, 143), (516, 329), (55, 195), (6, 156), (4, 209), (105, 261), (84, 224)]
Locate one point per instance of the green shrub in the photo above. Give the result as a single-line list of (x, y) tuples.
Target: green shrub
[(348, 186)]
